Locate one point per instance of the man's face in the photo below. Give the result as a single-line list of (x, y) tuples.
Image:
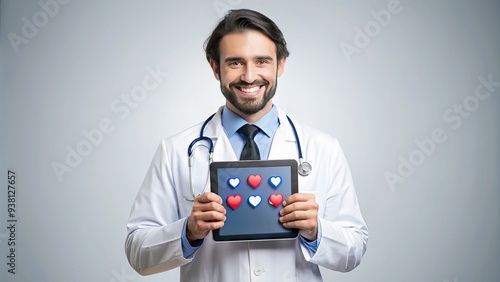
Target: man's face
[(248, 71)]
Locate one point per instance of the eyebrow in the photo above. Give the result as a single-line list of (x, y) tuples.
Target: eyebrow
[(232, 59)]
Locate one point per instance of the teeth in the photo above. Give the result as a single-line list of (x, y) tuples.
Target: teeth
[(250, 90)]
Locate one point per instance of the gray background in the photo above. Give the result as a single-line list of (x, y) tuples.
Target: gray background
[(439, 222)]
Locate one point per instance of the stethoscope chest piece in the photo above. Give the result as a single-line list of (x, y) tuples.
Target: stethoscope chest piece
[(305, 168)]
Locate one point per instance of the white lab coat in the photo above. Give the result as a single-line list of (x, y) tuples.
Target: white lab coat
[(154, 244)]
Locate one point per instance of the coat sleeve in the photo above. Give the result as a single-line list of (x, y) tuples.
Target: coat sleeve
[(153, 243), (344, 234)]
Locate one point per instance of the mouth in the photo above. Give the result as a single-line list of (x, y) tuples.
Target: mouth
[(249, 91)]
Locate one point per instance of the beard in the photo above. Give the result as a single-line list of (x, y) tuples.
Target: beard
[(248, 106)]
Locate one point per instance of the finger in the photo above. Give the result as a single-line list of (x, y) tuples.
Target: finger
[(210, 216), (211, 225), (208, 202), (306, 225), (200, 224), (208, 197), (197, 228), (298, 197), (208, 207), (299, 206), (299, 215), (307, 228)]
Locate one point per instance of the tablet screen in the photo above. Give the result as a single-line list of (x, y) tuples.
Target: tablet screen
[(252, 193)]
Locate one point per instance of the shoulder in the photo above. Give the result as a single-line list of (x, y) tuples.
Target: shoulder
[(313, 135), (180, 141), (320, 147), (191, 132), (305, 132), (211, 127)]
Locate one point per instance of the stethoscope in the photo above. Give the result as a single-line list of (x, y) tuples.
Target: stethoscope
[(304, 168)]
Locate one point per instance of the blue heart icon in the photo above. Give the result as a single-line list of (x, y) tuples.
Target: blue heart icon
[(275, 181)]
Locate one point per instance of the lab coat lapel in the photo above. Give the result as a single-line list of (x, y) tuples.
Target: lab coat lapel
[(223, 151), (284, 145)]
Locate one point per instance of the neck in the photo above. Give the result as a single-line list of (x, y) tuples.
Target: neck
[(252, 118)]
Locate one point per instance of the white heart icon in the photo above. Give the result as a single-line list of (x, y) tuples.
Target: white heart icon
[(275, 181), (254, 200), (233, 182)]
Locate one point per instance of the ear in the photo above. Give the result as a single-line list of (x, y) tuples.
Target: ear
[(215, 69), (281, 66)]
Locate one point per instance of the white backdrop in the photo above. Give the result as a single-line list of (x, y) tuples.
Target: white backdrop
[(410, 88)]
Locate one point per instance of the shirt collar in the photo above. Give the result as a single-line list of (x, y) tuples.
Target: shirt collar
[(232, 122)]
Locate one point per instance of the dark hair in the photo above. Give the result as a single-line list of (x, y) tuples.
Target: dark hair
[(239, 21)]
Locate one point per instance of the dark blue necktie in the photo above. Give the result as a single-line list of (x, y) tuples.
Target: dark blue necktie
[(250, 151)]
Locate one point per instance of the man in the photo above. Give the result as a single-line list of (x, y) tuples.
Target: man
[(169, 228)]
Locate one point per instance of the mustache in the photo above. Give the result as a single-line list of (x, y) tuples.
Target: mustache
[(241, 83)]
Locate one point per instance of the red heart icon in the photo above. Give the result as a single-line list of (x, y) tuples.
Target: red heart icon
[(254, 180), (234, 201), (276, 200)]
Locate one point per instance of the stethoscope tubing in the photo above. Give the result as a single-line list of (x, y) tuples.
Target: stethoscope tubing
[(211, 144), (304, 167)]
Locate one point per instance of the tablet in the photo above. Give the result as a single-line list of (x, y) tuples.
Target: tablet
[(253, 193)]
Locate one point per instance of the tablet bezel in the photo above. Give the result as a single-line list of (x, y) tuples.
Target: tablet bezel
[(291, 163)]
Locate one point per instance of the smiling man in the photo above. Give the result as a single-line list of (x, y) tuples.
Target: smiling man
[(173, 215)]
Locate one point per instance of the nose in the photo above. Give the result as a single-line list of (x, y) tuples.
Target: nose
[(249, 74)]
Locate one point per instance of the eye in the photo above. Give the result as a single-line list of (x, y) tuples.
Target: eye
[(234, 63), (262, 62)]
